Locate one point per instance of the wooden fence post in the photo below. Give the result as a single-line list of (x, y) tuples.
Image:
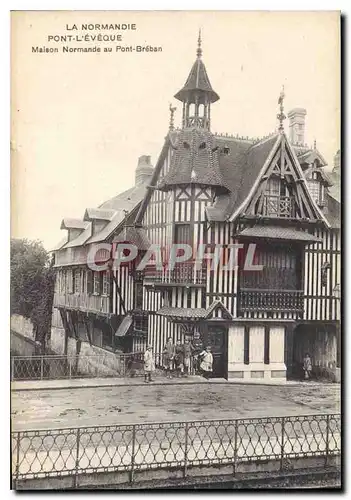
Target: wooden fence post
[(12, 368)]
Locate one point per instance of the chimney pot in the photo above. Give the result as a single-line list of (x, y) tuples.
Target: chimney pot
[(297, 125)]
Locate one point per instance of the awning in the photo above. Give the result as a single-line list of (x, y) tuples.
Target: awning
[(182, 312), (123, 328), (278, 233)]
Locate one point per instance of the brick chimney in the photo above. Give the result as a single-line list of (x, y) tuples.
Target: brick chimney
[(297, 125), (144, 170)]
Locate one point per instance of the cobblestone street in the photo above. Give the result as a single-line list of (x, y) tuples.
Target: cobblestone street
[(45, 409)]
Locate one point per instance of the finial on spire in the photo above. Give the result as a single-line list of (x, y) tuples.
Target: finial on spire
[(172, 109), (315, 144), (199, 49), (281, 116)]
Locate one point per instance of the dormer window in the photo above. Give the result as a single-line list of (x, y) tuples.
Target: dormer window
[(186, 145), (202, 145), (226, 150)]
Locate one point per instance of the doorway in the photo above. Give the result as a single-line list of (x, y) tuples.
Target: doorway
[(216, 336)]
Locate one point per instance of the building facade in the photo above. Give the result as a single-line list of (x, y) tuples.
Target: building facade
[(267, 201)]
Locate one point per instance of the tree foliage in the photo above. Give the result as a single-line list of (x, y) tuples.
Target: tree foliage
[(32, 284)]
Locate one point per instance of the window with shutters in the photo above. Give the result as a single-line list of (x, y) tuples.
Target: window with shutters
[(89, 282)]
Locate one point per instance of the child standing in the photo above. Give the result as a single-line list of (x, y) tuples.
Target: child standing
[(149, 364), (206, 362), (307, 366)]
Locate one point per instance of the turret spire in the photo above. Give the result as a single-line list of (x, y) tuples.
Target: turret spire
[(199, 49), (197, 94), (281, 116)]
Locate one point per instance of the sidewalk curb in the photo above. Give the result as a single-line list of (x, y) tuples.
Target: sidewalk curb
[(164, 383)]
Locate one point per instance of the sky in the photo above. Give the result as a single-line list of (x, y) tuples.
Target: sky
[(79, 121)]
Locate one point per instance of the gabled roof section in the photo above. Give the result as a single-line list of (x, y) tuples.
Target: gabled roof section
[(311, 156), (217, 310), (68, 223), (98, 214), (239, 169), (81, 239), (195, 160), (262, 160), (326, 178)]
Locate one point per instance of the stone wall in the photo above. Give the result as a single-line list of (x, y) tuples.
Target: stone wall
[(22, 325), (92, 360)]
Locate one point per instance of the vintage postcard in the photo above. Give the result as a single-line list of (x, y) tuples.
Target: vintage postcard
[(175, 250)]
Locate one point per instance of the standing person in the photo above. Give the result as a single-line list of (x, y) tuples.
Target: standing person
[(197, 348), (206, 362), (179, 358), (168, 356), (188, 350), (149, 364), (307, 366)]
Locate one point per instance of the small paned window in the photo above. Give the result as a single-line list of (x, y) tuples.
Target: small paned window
[(77, 281), (96, 283)]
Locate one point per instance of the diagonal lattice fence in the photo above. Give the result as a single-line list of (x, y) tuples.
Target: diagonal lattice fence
[(174, 444)]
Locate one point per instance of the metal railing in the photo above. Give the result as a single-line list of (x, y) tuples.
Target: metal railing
[(49, 367), (49, 453), (184, 273)]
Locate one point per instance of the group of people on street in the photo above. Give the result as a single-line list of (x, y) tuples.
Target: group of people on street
[(178, 358)]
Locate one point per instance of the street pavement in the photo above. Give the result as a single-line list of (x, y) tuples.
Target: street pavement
[(113, 405)]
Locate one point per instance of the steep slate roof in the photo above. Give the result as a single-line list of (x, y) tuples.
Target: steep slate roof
[(134, 235), (195, 160), (239, 170), (112, 210), (333, 213), (197, 80), (310, 156)]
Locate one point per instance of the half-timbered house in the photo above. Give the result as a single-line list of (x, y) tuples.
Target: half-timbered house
[(268, 199)]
